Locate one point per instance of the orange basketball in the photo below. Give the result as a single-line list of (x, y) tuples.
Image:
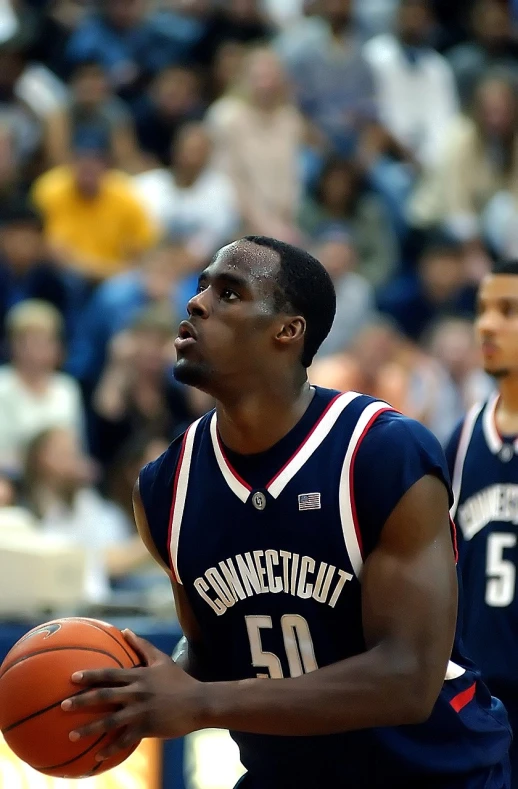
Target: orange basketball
[(35, 679)]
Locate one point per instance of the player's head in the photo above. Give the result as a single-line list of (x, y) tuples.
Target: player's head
[(497, 321), (262, 310)]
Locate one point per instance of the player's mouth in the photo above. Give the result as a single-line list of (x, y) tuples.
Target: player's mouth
[(187, 336)]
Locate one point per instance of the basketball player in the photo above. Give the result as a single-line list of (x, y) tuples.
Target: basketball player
[(482, 455), (307, 537)]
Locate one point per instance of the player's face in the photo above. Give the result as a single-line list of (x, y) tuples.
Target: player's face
[(497, 324), (233, 322)]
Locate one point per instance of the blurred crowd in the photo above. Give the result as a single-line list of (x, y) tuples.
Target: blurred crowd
[(139, 136)]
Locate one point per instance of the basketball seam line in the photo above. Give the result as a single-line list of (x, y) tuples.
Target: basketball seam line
[(107, 632), (79, 756), (64, 649), (92, 772), (12, 726)]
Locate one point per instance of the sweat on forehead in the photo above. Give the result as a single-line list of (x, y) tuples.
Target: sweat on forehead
[(249, 258)]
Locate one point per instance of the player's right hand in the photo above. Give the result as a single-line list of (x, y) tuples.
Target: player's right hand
[(156, 700)]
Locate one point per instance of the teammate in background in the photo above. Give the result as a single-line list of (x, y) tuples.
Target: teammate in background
[(307, 537), (483, 460)]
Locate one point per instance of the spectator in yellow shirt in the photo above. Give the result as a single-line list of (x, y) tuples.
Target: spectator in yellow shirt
[(94, 223)]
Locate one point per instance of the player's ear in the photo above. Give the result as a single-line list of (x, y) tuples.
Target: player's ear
[(292, 330)]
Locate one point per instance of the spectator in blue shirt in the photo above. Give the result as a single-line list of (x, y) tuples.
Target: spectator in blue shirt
[(242, 21), (173, 99), (439, 287), (164, 276), (333, 83), (131, 45), (492, 46), (26, 272)]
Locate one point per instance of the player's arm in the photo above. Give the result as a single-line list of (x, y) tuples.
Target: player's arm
[(409, 594), (188, 652)]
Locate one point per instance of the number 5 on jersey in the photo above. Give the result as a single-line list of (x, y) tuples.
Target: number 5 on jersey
[(297, 645), (501, 573)]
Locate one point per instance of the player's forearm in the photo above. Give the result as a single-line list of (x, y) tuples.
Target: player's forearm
[(362, 692)]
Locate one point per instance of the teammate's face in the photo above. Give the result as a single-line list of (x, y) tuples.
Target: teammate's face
[(230, 337), (497, 324)]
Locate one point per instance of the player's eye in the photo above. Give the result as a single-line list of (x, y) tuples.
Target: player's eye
[(229, 295), (200, 289), (507, 309)]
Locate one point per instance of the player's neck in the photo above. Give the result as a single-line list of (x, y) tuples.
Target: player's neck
[(257, 421), (507, 410)]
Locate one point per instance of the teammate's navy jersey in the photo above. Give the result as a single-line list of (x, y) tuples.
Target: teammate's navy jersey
[(270, 548), (485, 483)]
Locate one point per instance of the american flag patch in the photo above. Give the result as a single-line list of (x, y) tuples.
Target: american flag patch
[(309, 501)]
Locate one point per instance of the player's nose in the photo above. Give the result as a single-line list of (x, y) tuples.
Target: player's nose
[(488, 322), (199, 304)]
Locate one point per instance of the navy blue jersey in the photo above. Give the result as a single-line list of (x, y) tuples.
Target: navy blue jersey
[(270, 548), (485, 482)]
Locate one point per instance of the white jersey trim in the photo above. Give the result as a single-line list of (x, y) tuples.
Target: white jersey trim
[(493, 438), (462, 450), (453, 671), (234, 482), (310, 444), (179, 497), (350, 529), (491, 434)]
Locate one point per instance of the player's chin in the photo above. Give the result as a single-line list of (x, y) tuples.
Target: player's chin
[(496, 370), (191, 372)]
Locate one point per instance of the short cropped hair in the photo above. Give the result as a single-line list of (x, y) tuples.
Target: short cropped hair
[(304, 288)]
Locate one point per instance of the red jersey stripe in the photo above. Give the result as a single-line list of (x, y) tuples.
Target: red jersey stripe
[(459, 701), (351, 474)]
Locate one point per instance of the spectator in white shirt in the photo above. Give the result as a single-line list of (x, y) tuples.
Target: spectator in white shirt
[(34, 396), (258, 133), (192, 200), (415, 85), (59, 492)]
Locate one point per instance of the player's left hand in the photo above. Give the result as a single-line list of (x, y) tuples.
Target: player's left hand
[(157, 700)]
